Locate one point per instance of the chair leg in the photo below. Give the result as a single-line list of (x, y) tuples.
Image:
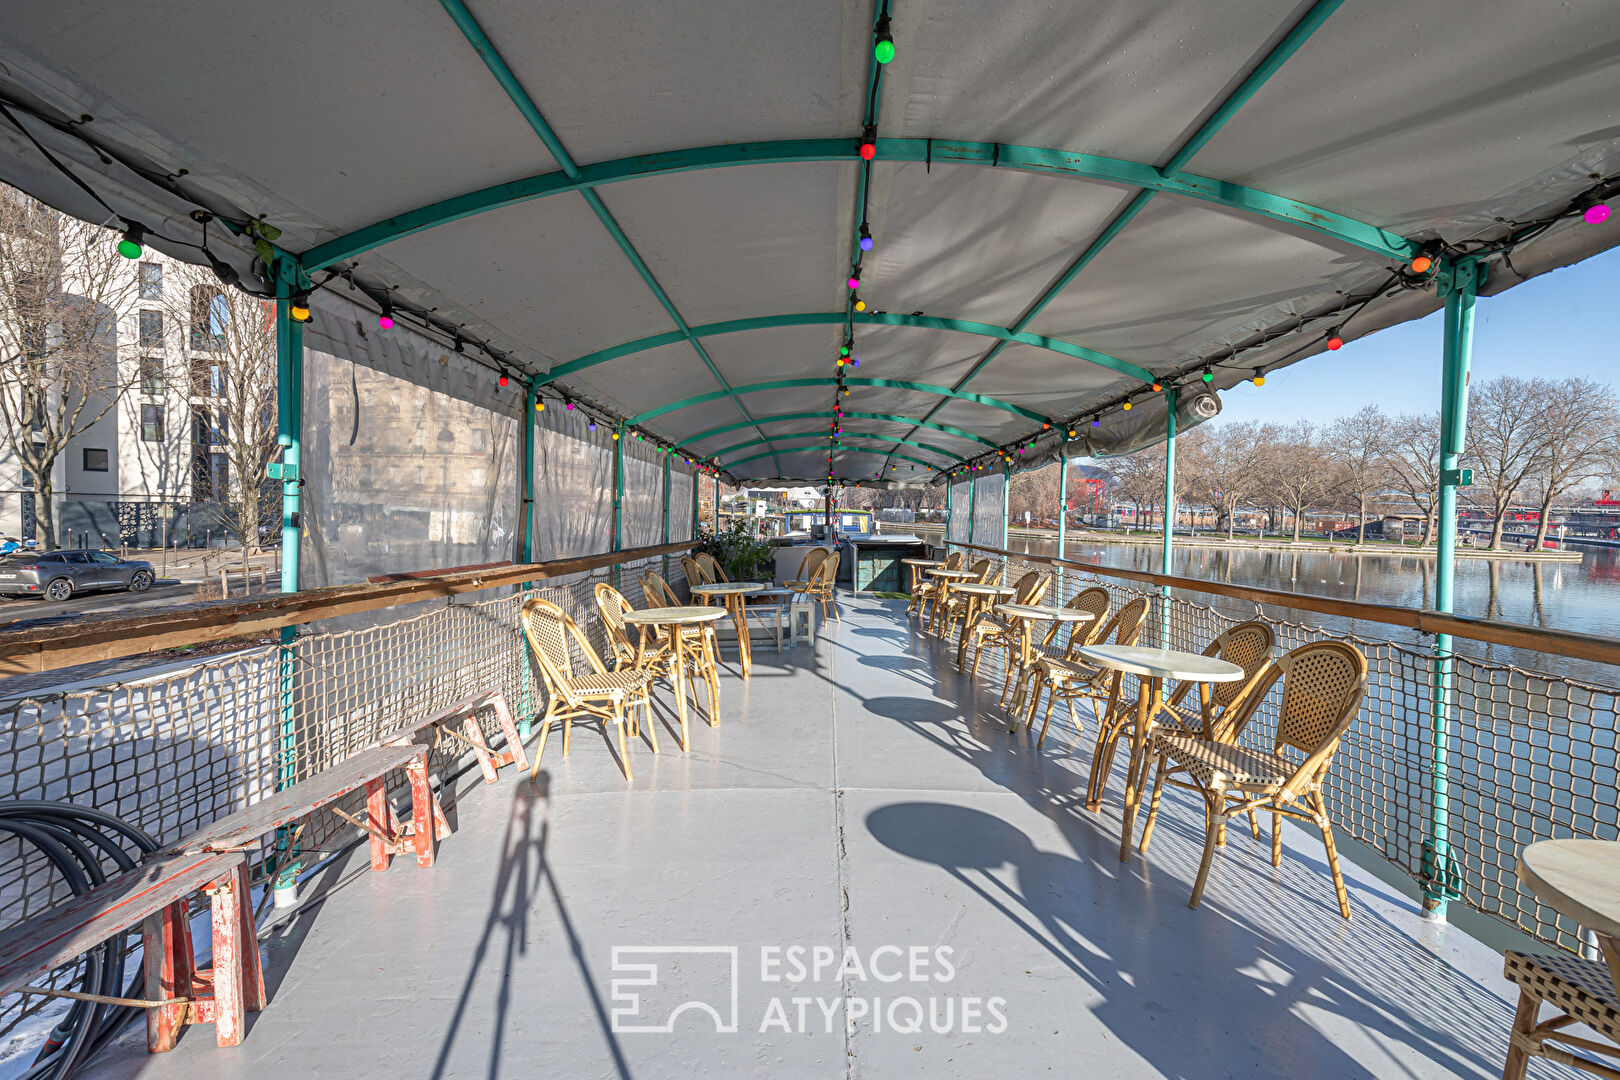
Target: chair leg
[(1216, 801), (1153, 805), (540, 751), (1037, 682), (1524, 1022), (1326, 826), (652, 726), (1276, 839), (618, 730), (1254, 825)]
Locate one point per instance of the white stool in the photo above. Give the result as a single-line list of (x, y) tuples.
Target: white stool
[(801, 620)]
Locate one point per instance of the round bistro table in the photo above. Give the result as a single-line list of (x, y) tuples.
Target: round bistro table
[(1151, 667), (1580, 879), (917, 568), (733, 594), (688, 647), (944, 579), (977, 597), (1027, 615)]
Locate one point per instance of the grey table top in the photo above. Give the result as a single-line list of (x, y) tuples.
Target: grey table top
[(672, 616), (1162, 663), (1578, 878), (723, 588), (1052, 614)]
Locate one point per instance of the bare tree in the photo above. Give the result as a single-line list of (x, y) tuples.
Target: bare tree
[(1356, 444), (1412, 456), (1507, 441), (1301, 470), (230, 340), (1034, 492), (1228, 469), (1580, 432), (1139, 479), (62, 287)]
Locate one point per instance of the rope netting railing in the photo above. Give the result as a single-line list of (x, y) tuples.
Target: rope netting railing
[(173, 750), (1532, 754)]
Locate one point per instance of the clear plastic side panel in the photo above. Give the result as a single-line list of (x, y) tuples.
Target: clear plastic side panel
[(404, 467), (959, 511), (643, 495), (988, 509), (680, 504), (573, 485)]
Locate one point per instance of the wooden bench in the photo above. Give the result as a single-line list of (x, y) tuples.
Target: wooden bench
[(243, 830), (153, 897), (464, 715)]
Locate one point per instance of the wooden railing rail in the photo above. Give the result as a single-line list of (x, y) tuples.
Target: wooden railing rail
[(1593, 647), (47, 648)]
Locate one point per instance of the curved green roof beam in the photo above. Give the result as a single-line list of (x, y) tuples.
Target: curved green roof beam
[(826, 414), (1054, 162), (870, 318), (895, 439), (801, 449), (788, 384)]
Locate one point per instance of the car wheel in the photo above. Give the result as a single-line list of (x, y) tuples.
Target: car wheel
[(140, 581), (60, 589)]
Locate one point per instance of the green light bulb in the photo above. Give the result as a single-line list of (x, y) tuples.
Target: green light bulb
[(129, 249), (884, 51), (1209, 376)]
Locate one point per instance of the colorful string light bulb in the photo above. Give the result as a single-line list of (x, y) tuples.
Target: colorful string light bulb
[(1157, 387), (882, 41), (385, 321), (1209, 376), (1421, 264), (1126, 406), (854, 279), (539, 406), (298, 307), (866, 237), (1335, 342), (503, 380), (1596, 214), (869, 143), (1259, 377), (860, 305)]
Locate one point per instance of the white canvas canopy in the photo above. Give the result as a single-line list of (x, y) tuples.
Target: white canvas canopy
[(654, 207)]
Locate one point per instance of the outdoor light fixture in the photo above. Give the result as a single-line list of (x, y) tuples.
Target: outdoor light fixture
[(459, 347), (503, 380), (298, 307), (843, 350), (1157, 387), (385, 321), (539, 406), (855, 361), (866, 237), (855, 279), (592, 427), (568, 404), (1209, 376), (1126, 406), (860, 305), (1259, 377), (1096, 421), (1421, 264), (1071, 433), (883, 45), (615, 434), (130, 246), (1335, 342), (869, 143), (1593, 211)]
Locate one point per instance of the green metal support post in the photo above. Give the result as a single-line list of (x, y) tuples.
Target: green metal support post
[(1063, 500), (289, 429), (1172, 398), (1459, 287), (618, 500)]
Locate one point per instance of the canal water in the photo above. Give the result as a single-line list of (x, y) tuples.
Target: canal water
[(1583, 596)]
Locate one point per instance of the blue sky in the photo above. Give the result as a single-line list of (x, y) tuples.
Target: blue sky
[(1558, 325)]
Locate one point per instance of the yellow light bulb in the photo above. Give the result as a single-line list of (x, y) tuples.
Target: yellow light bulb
[(1259, 380), (1126, 406), (539, 406), (860, 305)]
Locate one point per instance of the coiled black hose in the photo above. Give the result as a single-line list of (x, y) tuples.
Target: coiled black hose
[(76, 839)]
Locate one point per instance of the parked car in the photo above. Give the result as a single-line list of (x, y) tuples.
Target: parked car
[(59, 574)]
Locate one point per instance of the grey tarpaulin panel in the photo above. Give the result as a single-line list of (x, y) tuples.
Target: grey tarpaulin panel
[(643, 495), (680, 503), (989, 497), (960, 521), (399, 474), (573, 485), (1431, 120)]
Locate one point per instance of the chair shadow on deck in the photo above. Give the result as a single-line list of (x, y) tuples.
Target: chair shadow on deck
[(1228, 1013)]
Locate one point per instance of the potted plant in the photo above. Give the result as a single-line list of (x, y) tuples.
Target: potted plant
[(742, 555)]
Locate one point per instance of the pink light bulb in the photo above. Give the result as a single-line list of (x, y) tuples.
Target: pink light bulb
[(385, 321), (1596, 214)]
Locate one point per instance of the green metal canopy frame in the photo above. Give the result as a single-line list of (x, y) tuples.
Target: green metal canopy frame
[(788, 384), (826, 414), (819, 440), (870, 318), (822, 434)]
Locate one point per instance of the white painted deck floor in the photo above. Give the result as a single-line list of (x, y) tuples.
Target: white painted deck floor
[(861, 804)]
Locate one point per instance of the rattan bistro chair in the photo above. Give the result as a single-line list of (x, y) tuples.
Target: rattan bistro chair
[(931, 590), (952, 606), (820, 586), (993, 631), (1323, 683), (609, 696), (1582, 992), (1248, 645), (701, 645), (696, 574), (1068, 677)]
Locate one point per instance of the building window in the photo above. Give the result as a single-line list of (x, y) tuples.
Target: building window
[(207, 378), (95, 460), (151, 329), (151, 281), (152, 378), (207, 318), (151, 423)]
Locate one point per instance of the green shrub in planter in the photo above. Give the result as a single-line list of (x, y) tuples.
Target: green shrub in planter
[(743, 556)]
